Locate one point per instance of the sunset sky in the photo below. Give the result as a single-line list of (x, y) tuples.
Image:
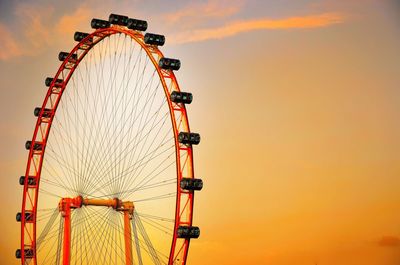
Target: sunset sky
[(297, 103)]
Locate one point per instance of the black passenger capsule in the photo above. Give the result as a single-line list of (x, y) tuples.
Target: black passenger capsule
[(154, 39), (46, 112), (49, 80), (181, 97), (169, 64), (99, 23), (28, 216), (118, 19), (36, 146), (191, 184), (78, 36), (137, 24), (28, 253), (188, 232), (63, 55), (31, 180), (189, 138)]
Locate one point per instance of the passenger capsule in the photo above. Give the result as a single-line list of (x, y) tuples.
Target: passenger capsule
[(31, 180), (46, 112), (57, 83), (78, 36), (118, 19), (169, 64), (63, 55), (36, 146), (181, 97), (28, 216), (154, 39), (189, 138), (28, 253), (137, 24), (191, 184), (99, 23), (188, 232)]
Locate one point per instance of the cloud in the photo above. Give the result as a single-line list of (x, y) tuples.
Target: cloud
[(36, 31), (237, 27), (9, 46), (40, 27), (389, 241), (72, 22), (211, 9)]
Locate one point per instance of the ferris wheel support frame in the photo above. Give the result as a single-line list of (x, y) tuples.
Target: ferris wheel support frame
[(37, 146)]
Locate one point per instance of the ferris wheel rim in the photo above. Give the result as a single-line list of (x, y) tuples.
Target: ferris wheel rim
[(100, 34)]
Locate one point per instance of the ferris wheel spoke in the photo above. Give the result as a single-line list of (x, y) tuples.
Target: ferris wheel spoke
[(147, 240), (161, 228), (161, 183), (48, 235), (124, 150), (58, 179), (158, 197), (108, 125), (89, 229), (153, 174), (49, 224), (53, 153), (127, 175), (155, 217), (132, 167), (132, 179), (136, 240), (150, 177), (152, 155)]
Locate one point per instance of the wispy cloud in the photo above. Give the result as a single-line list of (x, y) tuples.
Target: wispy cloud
[(69, 23), (237, 27), (35, 29), (194, 12), (33, 35), (40, 27), (389, 241), (9, 46)]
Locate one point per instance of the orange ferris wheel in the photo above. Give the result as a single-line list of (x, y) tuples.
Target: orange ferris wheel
[(109, 177)]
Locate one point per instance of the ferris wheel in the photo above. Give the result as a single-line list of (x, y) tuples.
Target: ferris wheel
[(109, 176)]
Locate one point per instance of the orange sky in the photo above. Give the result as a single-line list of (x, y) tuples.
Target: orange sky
[(298, 105)]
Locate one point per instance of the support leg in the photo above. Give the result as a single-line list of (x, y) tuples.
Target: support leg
[(128, 237), (67, 235)]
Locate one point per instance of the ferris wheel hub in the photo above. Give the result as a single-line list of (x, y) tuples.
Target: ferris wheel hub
[(66, 204)]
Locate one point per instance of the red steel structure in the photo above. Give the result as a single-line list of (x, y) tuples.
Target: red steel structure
[(183, 139)]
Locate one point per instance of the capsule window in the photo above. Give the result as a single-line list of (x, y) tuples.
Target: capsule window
[(31, 180), (63, 55), (57, 83), (79, 36), (28, 216), (46, 112), (154, 39), (191, 184), (28, 253), (181, 97), (118, 19), (169, 64), (137, 24), (36, 146), (189, 138), (99, 23), (188, 232)]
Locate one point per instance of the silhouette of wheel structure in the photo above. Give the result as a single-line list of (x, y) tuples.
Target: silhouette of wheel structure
[(109, 177)]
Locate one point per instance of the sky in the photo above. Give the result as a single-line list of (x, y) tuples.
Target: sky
[(297, 103)]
